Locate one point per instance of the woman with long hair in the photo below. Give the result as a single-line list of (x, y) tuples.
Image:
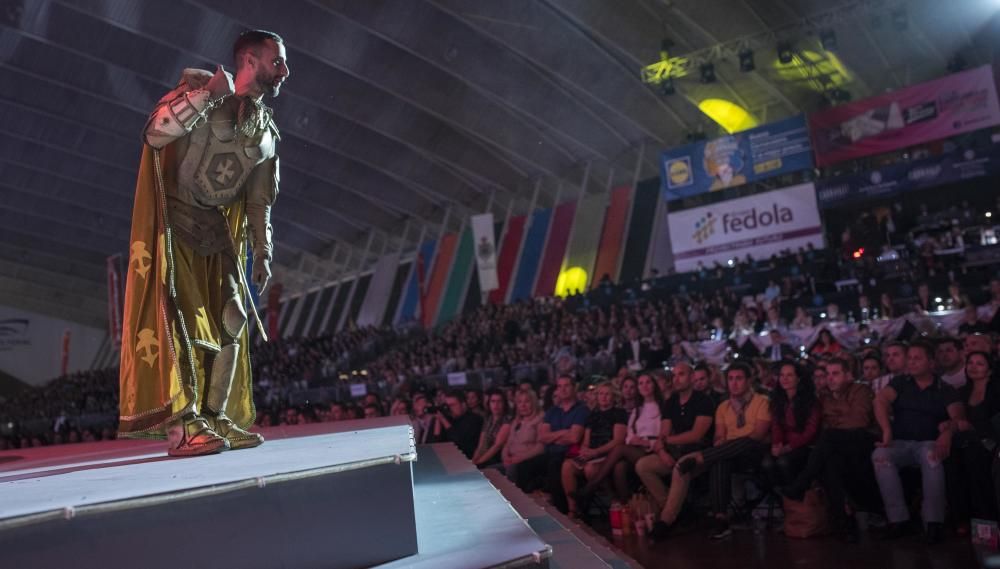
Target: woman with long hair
[(642, 429), (630, 394), (495, 431), (523, 456), (795, 418), (826, 345), (972, 486)]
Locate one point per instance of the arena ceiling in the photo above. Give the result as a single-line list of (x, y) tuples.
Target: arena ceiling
[(403, 117)]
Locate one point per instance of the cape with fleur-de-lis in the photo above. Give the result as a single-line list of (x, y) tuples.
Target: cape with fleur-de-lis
[(166, 329)]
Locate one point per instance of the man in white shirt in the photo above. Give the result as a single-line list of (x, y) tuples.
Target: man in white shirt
[(950, 363), (895, 364)]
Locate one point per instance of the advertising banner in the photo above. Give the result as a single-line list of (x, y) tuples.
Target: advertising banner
[(486, 251), (734, 160), (958, 103), (760, 225), (887, 181)]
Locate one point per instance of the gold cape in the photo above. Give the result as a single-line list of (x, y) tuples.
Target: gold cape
[(173, 303)]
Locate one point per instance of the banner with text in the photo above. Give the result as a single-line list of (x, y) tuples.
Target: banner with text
[(729, 161), (960, 164), (486, 251), (760, 225), (937, 109)]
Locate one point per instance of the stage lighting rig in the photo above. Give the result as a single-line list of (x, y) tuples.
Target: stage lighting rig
[(828, 39), (785, 53), (707, 73), (746, 60)]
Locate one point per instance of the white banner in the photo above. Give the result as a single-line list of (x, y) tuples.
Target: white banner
[(379, 289), (486, 251), (715, 351), (760, 225)]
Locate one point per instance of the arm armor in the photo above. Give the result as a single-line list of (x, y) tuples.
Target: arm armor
[(262, 190), (179, 110)]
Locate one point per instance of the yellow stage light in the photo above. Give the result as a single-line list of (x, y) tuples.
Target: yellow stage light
[(571, 280), (730, 116)]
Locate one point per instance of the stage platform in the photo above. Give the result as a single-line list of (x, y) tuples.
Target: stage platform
[(331, 495)]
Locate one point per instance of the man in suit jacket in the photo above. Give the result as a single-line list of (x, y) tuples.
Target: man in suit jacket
[(779, 350), (633, 354)]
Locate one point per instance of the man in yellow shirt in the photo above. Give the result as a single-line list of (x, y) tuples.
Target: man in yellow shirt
[(742, 429)]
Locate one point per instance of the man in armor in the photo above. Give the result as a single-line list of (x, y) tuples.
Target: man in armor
[(207, 180)]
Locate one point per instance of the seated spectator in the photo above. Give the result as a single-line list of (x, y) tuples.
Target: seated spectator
[(826, 345), (496, 429), (948, 357), (603, 431), (400, 406), (779, 350), (886, 306), (630, 393), (978, 343), (337, 412), (474, 402), (895, 365), (742, 426), (802, 319), (972, 487), (917, 413), (523, 456), (633, 353), (686, 419), (841, 457), (371, 411), (643, 427), (423, 422), (795, 416), (819, 377), (971, 324), (561, 431), (703, 380), (459, 426), (871, 369), (664, 380)]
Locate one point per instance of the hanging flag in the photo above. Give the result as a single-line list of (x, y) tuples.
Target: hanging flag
[(420, 284), (486, 251), (64, 357), (114, 270)]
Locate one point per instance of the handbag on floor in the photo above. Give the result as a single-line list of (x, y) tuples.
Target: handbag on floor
[(809, 517)]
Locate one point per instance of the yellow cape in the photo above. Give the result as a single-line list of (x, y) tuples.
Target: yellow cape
[(173, 299)]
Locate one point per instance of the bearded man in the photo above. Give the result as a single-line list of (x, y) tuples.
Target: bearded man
[(207, 180)]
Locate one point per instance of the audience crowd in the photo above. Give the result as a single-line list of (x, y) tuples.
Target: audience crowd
[(619, 405)]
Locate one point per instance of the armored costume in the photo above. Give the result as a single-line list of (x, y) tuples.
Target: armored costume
[(207, 180)]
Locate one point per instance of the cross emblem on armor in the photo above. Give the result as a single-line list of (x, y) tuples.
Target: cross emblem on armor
[(225, 172)]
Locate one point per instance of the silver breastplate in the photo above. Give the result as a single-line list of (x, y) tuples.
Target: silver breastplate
[(217, 162)]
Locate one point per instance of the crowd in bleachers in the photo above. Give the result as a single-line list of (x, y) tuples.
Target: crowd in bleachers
[(618, 397)]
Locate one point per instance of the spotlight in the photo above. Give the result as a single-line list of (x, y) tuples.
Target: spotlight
[(838, 95), (989, 214), (785, 53), (667, 87), (900, 21), (746, 60), (707, 73), (665, 46), (828, 39)]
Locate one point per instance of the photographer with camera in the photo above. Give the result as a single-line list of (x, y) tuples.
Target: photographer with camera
[(424, 419), (459, 425)]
